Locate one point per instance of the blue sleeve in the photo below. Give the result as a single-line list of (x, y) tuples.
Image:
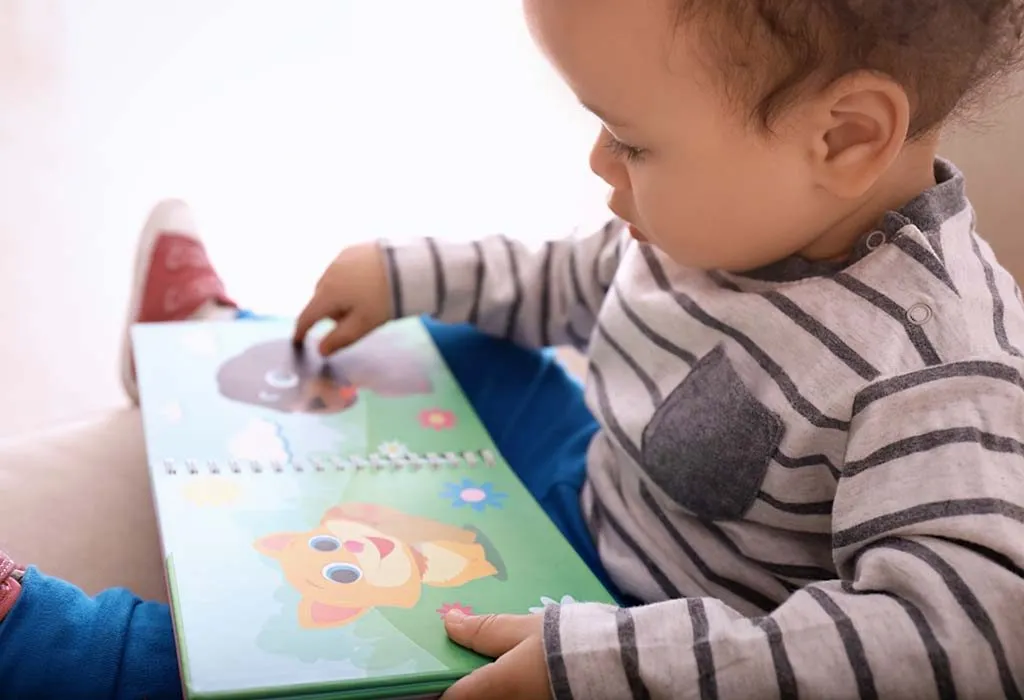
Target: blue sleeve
[(58, 642)]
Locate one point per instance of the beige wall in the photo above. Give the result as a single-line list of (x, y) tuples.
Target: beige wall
[(992, 158)]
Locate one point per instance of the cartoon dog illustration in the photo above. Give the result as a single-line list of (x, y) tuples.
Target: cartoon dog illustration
[(364, 555), (278, 375)]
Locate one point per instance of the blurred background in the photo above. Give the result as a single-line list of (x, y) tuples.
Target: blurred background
[(293, 127)]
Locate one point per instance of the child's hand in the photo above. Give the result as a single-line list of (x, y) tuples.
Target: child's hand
[(520, 671), (354, 293)]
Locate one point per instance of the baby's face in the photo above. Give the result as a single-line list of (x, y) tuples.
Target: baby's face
[(691, 174)]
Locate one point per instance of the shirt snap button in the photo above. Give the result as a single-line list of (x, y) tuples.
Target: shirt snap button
[(919, 314), (875, 240)]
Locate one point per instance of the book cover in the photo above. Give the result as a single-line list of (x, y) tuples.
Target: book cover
[(319, 517)]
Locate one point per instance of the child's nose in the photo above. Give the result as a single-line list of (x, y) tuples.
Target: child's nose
[(354, 547), (604, 164)]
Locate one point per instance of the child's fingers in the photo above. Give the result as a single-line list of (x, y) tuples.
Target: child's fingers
[(521, 673), (349, 329), (488, 682), (319, 307)]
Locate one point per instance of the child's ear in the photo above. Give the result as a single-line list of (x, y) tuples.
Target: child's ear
[(273, 545), (860, 125)]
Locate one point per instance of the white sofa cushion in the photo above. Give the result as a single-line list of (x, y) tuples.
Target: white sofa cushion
[(76, 503)]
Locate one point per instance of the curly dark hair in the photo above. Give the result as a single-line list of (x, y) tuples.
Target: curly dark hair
[(945, 53)]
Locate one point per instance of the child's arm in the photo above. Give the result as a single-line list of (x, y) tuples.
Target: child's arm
[(539, 298), (57, 642), (928, 538)]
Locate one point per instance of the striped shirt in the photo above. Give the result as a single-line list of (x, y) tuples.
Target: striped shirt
[(811, 474)]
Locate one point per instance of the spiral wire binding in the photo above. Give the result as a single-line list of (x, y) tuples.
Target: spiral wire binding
[(357, 463)]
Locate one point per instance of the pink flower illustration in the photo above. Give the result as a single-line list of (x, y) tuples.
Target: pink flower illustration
[(448, 607), (437, 419)]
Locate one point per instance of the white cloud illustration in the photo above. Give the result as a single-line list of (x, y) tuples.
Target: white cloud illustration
[(258, 441)]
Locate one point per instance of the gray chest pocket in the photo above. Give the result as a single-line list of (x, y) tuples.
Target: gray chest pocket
[(709, 444)]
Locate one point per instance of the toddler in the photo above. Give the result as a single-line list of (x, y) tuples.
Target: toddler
[(802, 468)]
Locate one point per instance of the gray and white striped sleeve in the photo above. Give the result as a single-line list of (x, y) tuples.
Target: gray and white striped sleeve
[(928, 539), (538, 298)]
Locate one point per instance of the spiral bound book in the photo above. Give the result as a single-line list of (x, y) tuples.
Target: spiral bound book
[(319, 516)]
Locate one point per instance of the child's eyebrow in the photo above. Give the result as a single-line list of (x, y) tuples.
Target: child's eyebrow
[(602, 116)]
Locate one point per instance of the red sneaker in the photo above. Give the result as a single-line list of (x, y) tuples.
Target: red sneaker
[(174, 279)]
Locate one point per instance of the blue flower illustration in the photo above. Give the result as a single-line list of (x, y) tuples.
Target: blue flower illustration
[(476, 496)]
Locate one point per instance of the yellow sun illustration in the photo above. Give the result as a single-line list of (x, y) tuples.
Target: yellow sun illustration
[(213, 491)]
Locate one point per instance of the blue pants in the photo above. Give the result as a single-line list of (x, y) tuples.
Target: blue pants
[(59, 643)]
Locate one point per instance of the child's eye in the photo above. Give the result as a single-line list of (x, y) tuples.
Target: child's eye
[(623, 151)]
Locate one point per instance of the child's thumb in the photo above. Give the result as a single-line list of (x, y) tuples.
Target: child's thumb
[(490, 635)]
